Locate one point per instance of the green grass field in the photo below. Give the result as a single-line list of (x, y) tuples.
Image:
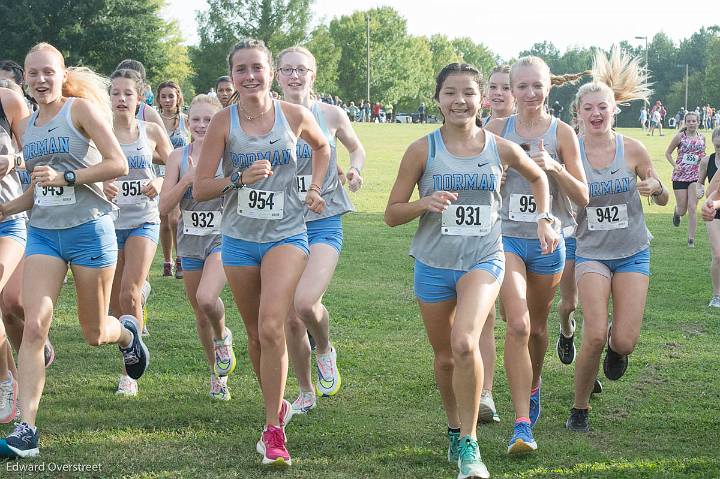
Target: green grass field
[(659, 421)]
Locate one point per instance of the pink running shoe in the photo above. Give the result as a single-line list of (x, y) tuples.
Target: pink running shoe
[(272, 447)]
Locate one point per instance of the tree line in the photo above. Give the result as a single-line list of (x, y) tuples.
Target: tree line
[(99, 33)]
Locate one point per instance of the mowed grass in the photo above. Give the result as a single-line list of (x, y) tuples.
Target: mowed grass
[(659, 421)]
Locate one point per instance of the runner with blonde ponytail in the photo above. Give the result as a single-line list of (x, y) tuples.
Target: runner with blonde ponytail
[(613, 254), (69, 149)]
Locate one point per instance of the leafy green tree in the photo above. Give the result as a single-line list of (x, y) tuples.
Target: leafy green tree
[(443, 52), (475, 54), (279, 23), (327, 56), (98, 34), (399, 64)]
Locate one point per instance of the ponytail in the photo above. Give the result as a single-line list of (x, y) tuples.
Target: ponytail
[(84, 83)]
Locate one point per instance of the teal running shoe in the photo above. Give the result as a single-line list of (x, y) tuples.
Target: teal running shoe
[(469, 461)]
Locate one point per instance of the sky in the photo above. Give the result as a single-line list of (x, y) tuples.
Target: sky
[(508, 28)]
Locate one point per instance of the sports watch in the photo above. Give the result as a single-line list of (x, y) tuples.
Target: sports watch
[(69, 178), (545, 215)]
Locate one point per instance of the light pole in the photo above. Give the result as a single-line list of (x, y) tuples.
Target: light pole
[(367, 37), (646, 62)]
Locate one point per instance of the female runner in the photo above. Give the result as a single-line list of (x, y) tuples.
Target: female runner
[(613, 255), (296, 75), (169, 99), (457, 248), (533, 276), (135, 194), (264, 242), (198, 246), (69, 149)]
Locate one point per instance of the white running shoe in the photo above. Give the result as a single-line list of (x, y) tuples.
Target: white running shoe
[(715, 302), (305, 402), (127, 386), (8, 399), (487, 413), (329, 380), (144, 295), (219, 388)]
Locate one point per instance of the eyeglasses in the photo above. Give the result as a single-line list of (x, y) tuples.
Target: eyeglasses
[(301, 71)]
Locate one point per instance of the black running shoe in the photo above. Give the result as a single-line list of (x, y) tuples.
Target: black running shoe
[(23, 441), (615, 364), (137, 356), (566, 348), (597, 387), (676, 219), (578, 420)]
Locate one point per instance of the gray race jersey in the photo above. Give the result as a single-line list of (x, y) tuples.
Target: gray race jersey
[(136, 208), (10, 186), (179, 137), (518, 211), (60, 145), (200, 234), (336, 198), (271, 209), (468, 232), (612, 226)]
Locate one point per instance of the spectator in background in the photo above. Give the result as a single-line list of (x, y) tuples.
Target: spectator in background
[(224, 89), (353, 112), (376, 112), (557, 109), (658, 119), (716, 119), (643, 118), (389, 113), (422, 110), (366, 110)]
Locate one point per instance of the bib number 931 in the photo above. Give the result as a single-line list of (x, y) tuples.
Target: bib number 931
[(466, 220)]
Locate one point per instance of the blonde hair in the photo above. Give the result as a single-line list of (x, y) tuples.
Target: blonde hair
[(619, 75), (204, 99), (82, 82), (555, 80), (296, 49)]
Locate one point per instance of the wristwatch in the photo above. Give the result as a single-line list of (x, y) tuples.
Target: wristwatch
[(235, 182), (69, 178), (545, 216)]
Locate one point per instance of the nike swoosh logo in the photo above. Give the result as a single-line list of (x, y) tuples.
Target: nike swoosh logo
[(139, 148), (480, 165), (614, 171), (274, 141), (53, 128), (95, 258)]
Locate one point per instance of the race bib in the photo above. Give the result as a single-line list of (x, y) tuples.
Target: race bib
[(54, 195), (130, 192), (690, 159), (303, 185), (523, 208), (466, 220), (201, 223), (260, 204), (603, 218)]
